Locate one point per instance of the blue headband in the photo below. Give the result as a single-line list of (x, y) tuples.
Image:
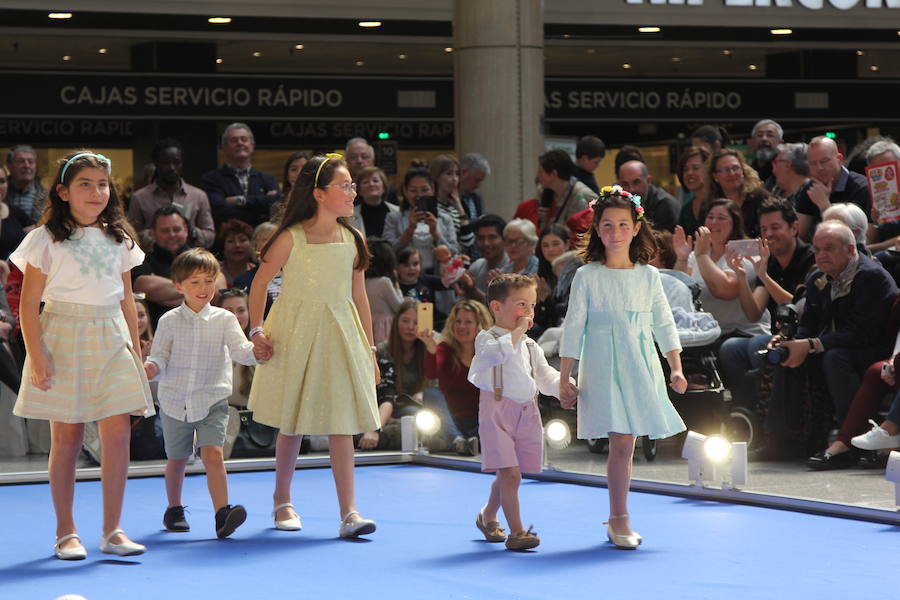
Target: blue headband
[(102, 159)]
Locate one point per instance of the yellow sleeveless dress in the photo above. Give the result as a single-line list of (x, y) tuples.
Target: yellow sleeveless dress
[(320, 379)]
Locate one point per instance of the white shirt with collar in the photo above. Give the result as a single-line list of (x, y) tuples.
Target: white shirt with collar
[(194, 351), (515, 364)]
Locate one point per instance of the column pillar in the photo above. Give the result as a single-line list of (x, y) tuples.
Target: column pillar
[(499, 93)]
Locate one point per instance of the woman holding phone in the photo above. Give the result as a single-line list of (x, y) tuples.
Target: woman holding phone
[(705, 258), (418, 223)]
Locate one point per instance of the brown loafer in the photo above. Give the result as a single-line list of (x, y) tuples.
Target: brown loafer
[(524, 540), (491, 530)]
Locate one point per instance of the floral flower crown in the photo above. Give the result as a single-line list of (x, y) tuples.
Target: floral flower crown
[(617, 189)]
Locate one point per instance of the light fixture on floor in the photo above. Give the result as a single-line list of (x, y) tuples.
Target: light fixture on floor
[(892, 474), (558, 434), (418, 428), (715, 460)]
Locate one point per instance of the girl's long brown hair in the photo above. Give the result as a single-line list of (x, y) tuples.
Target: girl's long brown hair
[(395, 345), (57, 216), (302, 205), (643, 246)]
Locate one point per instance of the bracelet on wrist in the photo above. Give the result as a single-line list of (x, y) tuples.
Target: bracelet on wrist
[(254, 331)]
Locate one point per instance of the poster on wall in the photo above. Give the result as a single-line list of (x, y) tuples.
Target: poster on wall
[(884, 191)]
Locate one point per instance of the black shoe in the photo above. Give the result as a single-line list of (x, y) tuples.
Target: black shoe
[(174, 519), (229, 518), (872, 460), (825, 461)]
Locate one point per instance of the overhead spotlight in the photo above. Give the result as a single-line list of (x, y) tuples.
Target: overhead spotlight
[(567, 36), (369, 23), (60, 16), (360, 63), (219, 20), (298, 46), (676, 59), (860, 53), (651, 29), (626, 65), (781, 31), (752, 67), (711, 457), (67, 57), (727, 52), (448, 49), (892, 474), (103, 50), (591, 51), (558, 434), (257, 54), (219, 61), (402, 56), (874, 68)]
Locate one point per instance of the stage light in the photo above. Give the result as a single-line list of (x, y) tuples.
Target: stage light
[(428, 422), (892, 474), (558, 434), (711, 457)]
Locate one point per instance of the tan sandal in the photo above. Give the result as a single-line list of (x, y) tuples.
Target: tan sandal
[(491, 530), (524, 540)]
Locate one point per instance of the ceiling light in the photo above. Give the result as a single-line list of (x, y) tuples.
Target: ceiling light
[(257, 54), (370, 23), (781, 31), (653, 29), (860, 53), (726, 52), (591, 51), (67, 57), (448, 49), (626, 65), (62, 15), (360, 63), (873, 67), (219, 61), (402, 56), (567, 36), (298, 47), (752, 67), (102, 50), (219, 20), (676, 59)]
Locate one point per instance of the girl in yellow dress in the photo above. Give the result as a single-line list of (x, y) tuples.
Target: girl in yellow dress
[(321, 372)]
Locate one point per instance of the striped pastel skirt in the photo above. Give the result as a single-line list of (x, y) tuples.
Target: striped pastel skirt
[(96, 371)]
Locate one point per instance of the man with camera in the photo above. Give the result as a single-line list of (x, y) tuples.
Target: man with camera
[(842, 331), (782, 266)]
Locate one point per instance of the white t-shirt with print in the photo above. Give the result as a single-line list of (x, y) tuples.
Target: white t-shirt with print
[(85, 269)]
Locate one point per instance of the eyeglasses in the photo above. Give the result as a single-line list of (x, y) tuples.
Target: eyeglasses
[(731, 169), (516, 242), (347, 186)]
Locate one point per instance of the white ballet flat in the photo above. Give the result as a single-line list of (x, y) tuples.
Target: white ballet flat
[(123, 549), (628, 541), (356, 527), (292, 524), (76, 553)]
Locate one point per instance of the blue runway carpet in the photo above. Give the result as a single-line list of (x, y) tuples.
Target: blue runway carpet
[(427, 547)]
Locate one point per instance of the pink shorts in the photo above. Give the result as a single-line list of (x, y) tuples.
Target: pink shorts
[(511, 434)]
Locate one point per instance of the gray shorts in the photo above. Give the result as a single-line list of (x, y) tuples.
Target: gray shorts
[(179, 435)]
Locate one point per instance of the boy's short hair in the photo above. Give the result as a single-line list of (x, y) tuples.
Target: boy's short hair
[(191, 261), (500, 287)]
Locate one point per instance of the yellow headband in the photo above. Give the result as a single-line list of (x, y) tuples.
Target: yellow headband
[(328, 157)]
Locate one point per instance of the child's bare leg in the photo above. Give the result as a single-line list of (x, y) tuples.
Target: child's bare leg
[(618, 476), (509, 479), (489, 512), (175, 480), (287, 448), (216, 476), (340, 447), (115, 440), (65, 446)]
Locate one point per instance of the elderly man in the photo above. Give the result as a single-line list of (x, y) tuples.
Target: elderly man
[(832, 183), (236, 190), (660, 207), (473, 169), (842, 331), (359, 155), (790, 169), (25, 190), (168, 188), (764, 139)]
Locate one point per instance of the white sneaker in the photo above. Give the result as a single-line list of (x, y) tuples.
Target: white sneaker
[(876, 439)]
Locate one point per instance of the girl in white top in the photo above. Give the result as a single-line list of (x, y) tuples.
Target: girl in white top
[(83, 361)]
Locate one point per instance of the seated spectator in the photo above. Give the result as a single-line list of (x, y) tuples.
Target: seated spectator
[(14, 223), (235, 301), (853, 217), (421, 229), (765, 138), (832, 183), (589, 152), (169, 188), (660, 207), (292, 167), (445, 172), (520, 240), (25, 191), (790, 168), (144, 326), (261, 236), (359, 155), (693, 172), (473, 169), (884, 235), (553, 243), (842, 332), (236, 190), (417, 285), (382, 287), (781, 269), (449, 362), (237, 251), (707, 264), (489, 241), (731, 177), (370, 214), (562, 194), (711, 137)]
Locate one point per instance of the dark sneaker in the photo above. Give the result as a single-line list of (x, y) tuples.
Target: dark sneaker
[(174, 519), (229, 518)]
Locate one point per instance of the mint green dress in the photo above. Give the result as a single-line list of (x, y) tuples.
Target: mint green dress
[(610, 325)]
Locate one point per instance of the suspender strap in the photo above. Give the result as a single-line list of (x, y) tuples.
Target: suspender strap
[(497, 371)]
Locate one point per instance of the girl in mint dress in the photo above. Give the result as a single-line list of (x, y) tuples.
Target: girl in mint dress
[(616, 309)]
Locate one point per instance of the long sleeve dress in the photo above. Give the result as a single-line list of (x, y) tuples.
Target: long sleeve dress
[(613, 317)]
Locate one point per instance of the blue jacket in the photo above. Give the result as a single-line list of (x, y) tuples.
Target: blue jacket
[(262, 193)]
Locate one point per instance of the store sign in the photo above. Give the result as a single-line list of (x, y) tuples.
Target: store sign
[(810, 4)]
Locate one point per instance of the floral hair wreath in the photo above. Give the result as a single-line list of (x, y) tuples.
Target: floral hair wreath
[(617, 189)]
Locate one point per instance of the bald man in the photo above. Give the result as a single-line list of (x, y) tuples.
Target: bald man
[(660, 207), (831, 183)]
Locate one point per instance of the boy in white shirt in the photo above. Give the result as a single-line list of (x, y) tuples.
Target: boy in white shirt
[(192, 354), (509, 368)]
